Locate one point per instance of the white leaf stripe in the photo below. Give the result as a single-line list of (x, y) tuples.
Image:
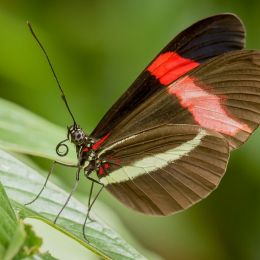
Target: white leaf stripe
[(152, 163), (176, 187)]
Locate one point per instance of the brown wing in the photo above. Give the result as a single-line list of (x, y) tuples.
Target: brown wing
[(195, 45), (222, 94), (165, 169)]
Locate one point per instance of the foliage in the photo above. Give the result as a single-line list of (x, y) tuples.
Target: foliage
[(23, 183), (17, 240)]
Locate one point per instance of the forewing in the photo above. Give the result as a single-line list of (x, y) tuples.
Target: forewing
[(165, 169), (201, 41), (222, 94)]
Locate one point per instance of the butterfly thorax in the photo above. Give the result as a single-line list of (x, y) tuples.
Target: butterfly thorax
[(87, 154), (89, 158), (87, 148)]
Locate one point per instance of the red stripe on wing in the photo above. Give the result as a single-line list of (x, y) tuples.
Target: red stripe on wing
[(100, 142), (205, 107), (169, 66)]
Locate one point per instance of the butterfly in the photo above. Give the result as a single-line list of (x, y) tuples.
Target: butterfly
[(165, 144)]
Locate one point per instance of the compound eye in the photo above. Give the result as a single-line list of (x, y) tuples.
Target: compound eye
[(79, 136)]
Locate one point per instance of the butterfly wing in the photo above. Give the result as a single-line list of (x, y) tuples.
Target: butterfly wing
[(222, 94), (165, 169), (203, 40)]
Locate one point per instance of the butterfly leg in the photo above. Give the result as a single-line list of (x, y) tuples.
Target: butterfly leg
[(90, 204), (47, 178), (72, 191)]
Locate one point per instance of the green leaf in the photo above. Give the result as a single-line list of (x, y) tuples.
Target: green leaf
[(39, 256), (31, 245), (17, 240), (23, 183), (10, 230), (24, 132)]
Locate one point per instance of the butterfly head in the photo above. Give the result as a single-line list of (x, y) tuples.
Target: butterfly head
[(76, 135)]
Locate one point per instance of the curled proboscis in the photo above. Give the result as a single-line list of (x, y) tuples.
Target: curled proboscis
[(62, 149)]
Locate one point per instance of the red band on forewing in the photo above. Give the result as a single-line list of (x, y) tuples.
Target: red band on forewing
[(205, 107), (169, 66), (99, 142)]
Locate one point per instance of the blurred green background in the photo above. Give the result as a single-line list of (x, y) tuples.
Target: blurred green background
[(98, 48)]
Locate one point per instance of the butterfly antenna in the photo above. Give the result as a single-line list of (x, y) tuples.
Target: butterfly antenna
[(52, 69)]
